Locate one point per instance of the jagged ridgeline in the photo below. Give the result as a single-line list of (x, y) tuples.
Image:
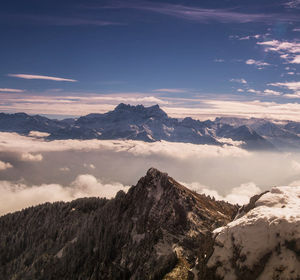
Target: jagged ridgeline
[(158, 230), (150, 124)]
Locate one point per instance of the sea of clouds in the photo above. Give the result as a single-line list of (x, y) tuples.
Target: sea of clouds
[(34, 171)]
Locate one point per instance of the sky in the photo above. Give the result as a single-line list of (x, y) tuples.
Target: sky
[(193, 58)]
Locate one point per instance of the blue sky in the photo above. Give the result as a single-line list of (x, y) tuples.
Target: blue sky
[(65, 58)]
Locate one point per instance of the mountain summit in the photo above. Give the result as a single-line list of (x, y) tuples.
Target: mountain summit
[(159, 227)]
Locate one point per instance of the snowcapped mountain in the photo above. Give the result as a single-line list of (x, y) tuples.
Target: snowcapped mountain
[(263, 242), (151, 124), (283, 135)]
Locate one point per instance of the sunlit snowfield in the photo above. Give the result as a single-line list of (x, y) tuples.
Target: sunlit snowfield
[(34, 171)]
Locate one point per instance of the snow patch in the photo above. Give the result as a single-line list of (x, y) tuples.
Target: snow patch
[(266, 239)]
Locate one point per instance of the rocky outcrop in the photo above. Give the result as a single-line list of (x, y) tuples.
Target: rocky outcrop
[(159, 229), (263, 242)]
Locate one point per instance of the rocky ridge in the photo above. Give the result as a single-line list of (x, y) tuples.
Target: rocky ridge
[(158, 229)]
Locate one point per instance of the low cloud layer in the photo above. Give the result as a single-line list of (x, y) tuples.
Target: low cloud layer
[(5, 165), (16, 196), (239, 195), (31, 157), (52, 169)]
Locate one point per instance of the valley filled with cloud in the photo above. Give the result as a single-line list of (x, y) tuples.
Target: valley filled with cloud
[(35, 171)]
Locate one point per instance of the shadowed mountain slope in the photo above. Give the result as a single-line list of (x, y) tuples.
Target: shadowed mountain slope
[(158, 227)]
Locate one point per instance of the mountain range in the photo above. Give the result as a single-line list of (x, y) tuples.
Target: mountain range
[(159, 229), (152, 124)]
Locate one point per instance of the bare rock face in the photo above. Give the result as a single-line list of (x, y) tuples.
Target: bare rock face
[(159, 229)]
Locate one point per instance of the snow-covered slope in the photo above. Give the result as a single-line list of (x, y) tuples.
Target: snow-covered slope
[(263, 242)]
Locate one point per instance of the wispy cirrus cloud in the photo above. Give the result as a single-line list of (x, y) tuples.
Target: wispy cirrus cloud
[(220, 60), (197, 13), (292, 4), (170, 90), (57, 20), (240, 81), (11, 90), (242, 38), (72, 104), (40, 77)]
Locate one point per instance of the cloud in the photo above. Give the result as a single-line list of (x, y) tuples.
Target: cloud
[(199, 14), (38, 134), (243, 38), (11, 90), (289, 85), (57, 20), (170, 90), (257, 109), (292, 95), (16, 196), (219, 60), (256, 63), (91, 166), (296, 29), (31, 157), (251, 90), (74, 105), (271, 92), (240, 90), (266, 92), (64, 169), (18, 143), (296, 59), (292, 4), (59, 177), (40, 77), (289, 51), (241, 81), (5, 165), (238, 195)]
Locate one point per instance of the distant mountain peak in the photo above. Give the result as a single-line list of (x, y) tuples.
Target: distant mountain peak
[(152, 111)]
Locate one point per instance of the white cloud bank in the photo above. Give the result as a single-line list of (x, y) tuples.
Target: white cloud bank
[(14, 142), (16, 196), (38, 134), (217, 171), (31, 157), (238, 195), (5, 165)]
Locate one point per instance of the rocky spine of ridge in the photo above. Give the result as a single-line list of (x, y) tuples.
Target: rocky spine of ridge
[(159, 229)]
